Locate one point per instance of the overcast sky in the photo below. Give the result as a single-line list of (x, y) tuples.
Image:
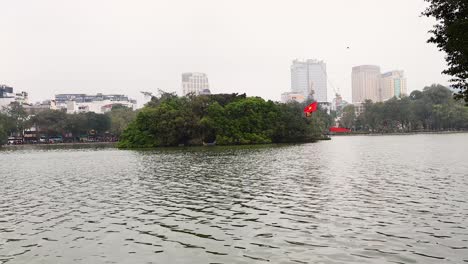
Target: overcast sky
[(128, 46)]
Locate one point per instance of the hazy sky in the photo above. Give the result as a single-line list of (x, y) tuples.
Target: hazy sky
[(117, 46)]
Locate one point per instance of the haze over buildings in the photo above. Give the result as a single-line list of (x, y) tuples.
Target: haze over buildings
[(70, 103), (369, 84), (54, 46)]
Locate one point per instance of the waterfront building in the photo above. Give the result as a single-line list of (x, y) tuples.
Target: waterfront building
[(392, 84), (194, 83), (366, 83), (8, 96), (309, 77), (291, 96), (99, 103)]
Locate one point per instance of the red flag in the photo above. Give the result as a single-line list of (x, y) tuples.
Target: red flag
[(339, 130), (311, 108)]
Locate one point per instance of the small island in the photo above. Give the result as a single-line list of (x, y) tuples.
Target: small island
[(221, 119)]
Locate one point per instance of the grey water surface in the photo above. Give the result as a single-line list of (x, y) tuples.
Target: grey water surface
[(362, 199)]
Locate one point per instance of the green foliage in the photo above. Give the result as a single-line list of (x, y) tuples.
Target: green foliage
[(120, 118), (3, 129), (227, 119), (450, 34), (17, 118), (349, 116), (3, 135), (8, 125), (54, 122), (430, 109)]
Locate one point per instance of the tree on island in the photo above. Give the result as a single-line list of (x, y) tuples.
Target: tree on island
[(227, 119), (450, 34)]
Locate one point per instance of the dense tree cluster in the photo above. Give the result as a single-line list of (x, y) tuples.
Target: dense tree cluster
[(58, 123), (226, 119), (54, 123), (450, 34), (432, 109), (12, 120), (3, 128)]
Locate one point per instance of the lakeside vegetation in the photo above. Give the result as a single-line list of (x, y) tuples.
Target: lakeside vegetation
[(226, 119), (432, 109), (450, 36), (67, 127), (233, 119)]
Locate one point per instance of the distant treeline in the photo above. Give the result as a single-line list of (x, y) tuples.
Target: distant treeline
[(56, 123), (230, 119), (432, 109), (227, 119)]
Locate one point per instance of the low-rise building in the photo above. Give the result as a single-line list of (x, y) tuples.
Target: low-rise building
[(40, 107), (99, 103), (8, 96), (205, 92), (292, 97)]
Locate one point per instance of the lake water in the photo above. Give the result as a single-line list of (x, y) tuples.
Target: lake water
[(362, 199)]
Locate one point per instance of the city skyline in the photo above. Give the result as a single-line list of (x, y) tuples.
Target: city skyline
[(369, 83), (304, 74), (144, 48)]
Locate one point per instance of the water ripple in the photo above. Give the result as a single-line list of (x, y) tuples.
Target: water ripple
[(350, 200)]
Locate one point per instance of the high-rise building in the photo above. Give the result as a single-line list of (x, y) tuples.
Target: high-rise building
[(366, 83), (309, 77), (194, 82), (392, 84)]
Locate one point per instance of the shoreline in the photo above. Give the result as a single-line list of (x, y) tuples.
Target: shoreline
[(114, 144), (87, 144), (400, 133)]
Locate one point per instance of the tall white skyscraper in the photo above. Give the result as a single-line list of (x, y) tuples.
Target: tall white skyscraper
[(194, 82), (309, 77)]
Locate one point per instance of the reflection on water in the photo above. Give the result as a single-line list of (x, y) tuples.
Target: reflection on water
[(390, 199)]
